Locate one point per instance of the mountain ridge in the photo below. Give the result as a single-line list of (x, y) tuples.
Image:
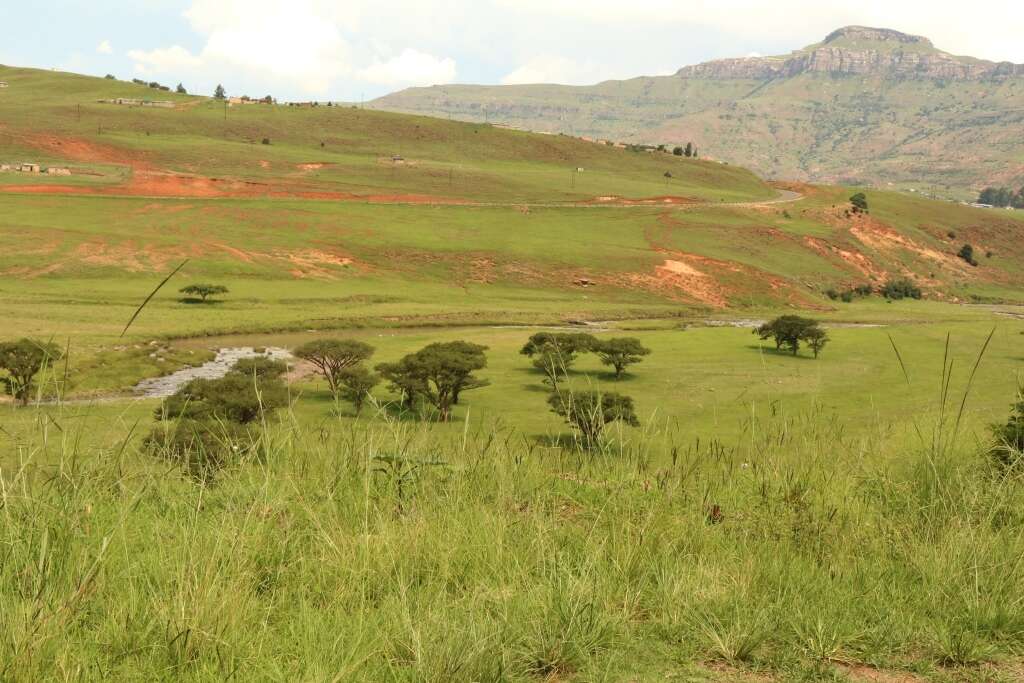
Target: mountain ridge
[(864, 106)]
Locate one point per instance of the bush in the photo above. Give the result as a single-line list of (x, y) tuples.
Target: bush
[(1008, 449), (202, 447), (859, 202), (847, 296), (356, 384), (967, 254), (589, 411), (22, 360), (266, 141), (232, 398), (260, 368), (901, 288)]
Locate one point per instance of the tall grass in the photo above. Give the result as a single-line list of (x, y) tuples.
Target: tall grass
[(401, 551)]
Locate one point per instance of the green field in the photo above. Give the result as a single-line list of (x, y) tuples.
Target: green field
[(862, 532)]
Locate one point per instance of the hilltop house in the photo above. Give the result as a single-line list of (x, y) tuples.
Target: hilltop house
[(3, 84), (29, 168)]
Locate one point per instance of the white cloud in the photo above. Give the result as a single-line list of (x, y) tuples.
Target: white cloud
[(104, 48), (411, 67), (163, 60), (554, 69)]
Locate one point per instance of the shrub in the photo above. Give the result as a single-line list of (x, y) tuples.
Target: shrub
[(204, 291), (677, 151), (832, 294), (22, 360), (847, 296), (260, 368), (859, 202), (901, 288), (1008, 449), (202, 447), (333, 356), (620, 353), (967, 254), (589, 411), (266, 141), (232, 398)]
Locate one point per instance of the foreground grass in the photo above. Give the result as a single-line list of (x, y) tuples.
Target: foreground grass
[(396, 551)]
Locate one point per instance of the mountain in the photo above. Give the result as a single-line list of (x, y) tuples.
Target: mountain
[(864, 106)]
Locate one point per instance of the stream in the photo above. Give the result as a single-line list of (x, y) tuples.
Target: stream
[(162, 387)]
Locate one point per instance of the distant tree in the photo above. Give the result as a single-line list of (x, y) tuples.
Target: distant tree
[(204, 291), (110, 77), (234, 398), (788, 331), (181, 90), (572, 342), (22, 360), (901, 288), (589, 411), (688, 152), (620, 353), (438, 373), (332, 357), (967, 254), (678, 151), (859, 202), (219, 93), (260, 368), (816, 339), (356, 384), (266, 141)]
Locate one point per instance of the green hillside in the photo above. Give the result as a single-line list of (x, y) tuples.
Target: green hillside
[(864, 106), (203, 147)]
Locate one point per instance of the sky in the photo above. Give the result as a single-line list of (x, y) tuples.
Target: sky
[(349, 50)]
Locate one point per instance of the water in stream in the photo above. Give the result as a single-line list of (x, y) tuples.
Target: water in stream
[(162, 387)]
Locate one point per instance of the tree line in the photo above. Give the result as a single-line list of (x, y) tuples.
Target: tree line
[(1003, 197)]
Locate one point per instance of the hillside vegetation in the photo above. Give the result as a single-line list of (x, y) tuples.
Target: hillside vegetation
[(864, 106)]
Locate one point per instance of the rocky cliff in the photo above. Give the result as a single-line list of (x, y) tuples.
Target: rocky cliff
[(858, 50)]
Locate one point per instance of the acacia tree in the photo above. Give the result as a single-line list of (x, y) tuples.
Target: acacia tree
[(356, 384), (204, 291), (553, 362), (589, 411), (333, 356), (565, 342), (788, 331), (437, 373), (620, 353), (23, 360)]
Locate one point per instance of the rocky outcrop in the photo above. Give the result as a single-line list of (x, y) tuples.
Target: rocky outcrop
[(860, 51)]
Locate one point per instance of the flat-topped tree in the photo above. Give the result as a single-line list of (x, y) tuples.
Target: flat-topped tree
[(203, 291), (333, 356), (788, 331), (620, 353), (438, 373), (22, 360)]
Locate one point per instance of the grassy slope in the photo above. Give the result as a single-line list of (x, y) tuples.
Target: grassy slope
[(54, 117), (847, 537)]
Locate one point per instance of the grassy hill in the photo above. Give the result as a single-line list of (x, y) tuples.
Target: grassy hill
[(774, 517), (865, 106)]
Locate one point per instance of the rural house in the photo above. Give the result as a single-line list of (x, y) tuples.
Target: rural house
[(29, 168), (3, 84)]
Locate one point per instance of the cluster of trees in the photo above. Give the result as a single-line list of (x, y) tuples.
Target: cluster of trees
[(901, 288), (967, 254), (859, 203), (433, 378), (895, 289), (789, 331), (688, 151), (554, 353), (22, 361), (149, 84), (1002, 197), (848, 295), (1008, 449)]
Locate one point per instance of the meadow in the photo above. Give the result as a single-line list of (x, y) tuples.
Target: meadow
[(772, 517)]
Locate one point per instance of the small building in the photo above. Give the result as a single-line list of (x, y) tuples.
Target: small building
[(29, 168), (3, 84), (58, 171), (5, 167)]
